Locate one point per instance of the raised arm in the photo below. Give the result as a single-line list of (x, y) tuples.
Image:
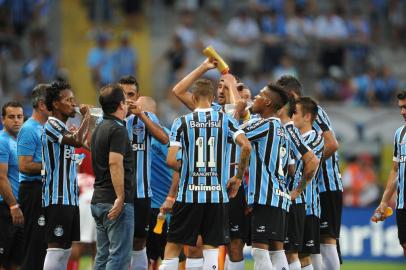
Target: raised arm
[(181, 88)]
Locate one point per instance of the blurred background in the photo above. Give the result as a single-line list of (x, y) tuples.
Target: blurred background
[(349, 55)]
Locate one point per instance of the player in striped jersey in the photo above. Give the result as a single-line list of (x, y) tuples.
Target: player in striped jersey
[(142, 127), (330, 183), (226, 85), (60, 196), (202, 195), (304, 116), (396, 178), (11, 216), (267, 192)]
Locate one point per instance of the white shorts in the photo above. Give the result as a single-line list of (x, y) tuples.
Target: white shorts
[(87, 223)]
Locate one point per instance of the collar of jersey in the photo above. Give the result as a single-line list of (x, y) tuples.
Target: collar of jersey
[(289, 123), (273, 118), (308, 133), (203, 109), (57, 120)]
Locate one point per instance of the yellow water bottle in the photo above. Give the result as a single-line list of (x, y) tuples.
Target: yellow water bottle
[(378, 216), (221, 64), (160, 220)]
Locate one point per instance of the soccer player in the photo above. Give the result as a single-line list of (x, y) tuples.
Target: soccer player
[(329, 180), (30, 194), (396, 178), (305, 229), (142, 127), (225, 88), (201, 203), (11, 216), (60, 197), (267, 191)]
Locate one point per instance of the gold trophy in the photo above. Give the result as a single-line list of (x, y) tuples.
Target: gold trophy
[(221, 65)]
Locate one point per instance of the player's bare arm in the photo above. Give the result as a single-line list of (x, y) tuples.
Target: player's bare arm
[(117, 178), (156, 131), (7, 194), (173, 190), (78, 138), (330, 144), (181, 88), (390, 188), (171, 159), (234, 183)]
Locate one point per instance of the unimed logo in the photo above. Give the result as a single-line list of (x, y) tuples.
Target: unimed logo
[(370, 240)]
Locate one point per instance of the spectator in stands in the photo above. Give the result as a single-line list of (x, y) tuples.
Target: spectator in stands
[(186, 31), (299, 29), (384, 86), (362, 86), (255, 81), (285, 67), (262, 6), (334, 87), (176, 56), (273, 37), (358, 31), (125, 58), (397, 21), (48, 66), (242, 31), (331, 31), (359, 182), (100, 62)]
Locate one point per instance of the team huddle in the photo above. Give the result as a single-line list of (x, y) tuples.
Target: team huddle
[(265, 176)]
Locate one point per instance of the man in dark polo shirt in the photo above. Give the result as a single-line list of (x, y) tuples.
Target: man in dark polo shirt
[(113, 197)]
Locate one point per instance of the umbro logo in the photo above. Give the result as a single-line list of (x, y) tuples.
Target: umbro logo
[(261, 228), (235, 228), (324, 224), (310, 243)]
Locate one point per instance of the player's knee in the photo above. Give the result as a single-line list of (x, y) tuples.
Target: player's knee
[(404, 249), (194, 252), (139, 243), (328, 239), (305, 259), (235, 250)]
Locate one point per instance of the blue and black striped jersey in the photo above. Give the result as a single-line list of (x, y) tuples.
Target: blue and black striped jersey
[(203, 136), (140, 139), (399, 155), (59, 161), (329, 174), (268, 163)]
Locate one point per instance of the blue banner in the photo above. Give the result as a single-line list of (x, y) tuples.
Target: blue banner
[(362, 239)]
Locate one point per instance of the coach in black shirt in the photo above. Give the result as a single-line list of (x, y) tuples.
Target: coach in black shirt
[(113, 164)]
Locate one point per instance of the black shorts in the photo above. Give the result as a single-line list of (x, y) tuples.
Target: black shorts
[(268, 223), (156, 242), (331, 203), (311, 238), (296, 225), (401, 222), (11, 239), (35, 246), (62, 224), (210, 220), (239, 221), (142, 213)]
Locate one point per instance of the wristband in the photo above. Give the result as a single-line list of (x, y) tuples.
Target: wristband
[(15, 206), (170, 198)]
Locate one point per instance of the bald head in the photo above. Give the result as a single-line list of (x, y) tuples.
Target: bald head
[(147, 104)]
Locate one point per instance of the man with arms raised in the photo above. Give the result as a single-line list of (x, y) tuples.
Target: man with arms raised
[(202, 194)]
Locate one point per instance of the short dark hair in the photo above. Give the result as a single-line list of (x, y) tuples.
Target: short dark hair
[(129, 79), (401, 95), (309, 105), (38, 93), (279, 96), (54, 93), (203, 88), (13, 104), (290, 84), (110, 97)]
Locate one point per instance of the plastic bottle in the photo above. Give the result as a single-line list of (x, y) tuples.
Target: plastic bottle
[(97, 112), (221, 64), (160, 220), (378, 216)]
